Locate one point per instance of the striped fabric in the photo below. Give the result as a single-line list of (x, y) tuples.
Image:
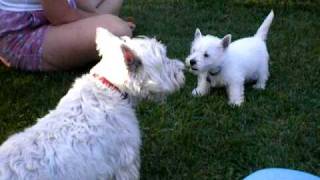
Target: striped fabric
[(20, 5), (25, 5), (21, 37)]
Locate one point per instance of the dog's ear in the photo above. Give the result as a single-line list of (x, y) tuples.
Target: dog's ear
[(132, 61), (197, 34), (226, 40)]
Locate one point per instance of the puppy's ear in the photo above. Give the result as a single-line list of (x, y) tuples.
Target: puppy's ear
[(226, 40), (105, 40), (197, 34), (132, 61)]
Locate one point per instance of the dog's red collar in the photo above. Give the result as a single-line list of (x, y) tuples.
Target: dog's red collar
[(108, 84)]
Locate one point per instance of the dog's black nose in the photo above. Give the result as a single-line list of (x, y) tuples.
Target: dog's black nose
[(192, 62)]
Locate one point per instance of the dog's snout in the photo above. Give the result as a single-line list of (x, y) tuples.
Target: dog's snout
[(192, 62)]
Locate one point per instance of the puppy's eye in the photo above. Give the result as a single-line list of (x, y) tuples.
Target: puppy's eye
[(206, 55)]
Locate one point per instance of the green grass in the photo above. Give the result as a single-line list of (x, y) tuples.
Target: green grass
[(204, 138)]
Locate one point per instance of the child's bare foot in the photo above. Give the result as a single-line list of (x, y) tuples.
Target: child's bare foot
[(4, 61)]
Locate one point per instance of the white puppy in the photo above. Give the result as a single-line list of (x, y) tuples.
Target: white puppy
[(218, 62), (93, 133)]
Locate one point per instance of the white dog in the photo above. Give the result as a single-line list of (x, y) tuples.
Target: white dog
[(218, 62), (93, 133)]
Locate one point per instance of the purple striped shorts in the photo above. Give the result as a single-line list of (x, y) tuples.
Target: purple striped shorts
[(21, 38)]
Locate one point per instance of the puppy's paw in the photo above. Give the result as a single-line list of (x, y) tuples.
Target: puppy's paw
[(198, 92), (259, 86), (235, 103)]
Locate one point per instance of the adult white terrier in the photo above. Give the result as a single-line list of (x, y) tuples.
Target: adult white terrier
[(93, 133), (218, 62)]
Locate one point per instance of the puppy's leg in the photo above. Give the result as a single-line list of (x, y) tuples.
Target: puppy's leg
[(203, 86), (215, 81), (263, 74), (236, 93)]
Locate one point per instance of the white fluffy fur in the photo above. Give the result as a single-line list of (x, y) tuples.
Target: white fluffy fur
[(218, 62), (93, 133)]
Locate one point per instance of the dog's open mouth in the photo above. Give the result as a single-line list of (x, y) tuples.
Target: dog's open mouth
[(191, 69)]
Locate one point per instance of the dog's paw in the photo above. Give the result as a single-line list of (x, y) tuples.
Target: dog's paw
[(198, 92), (235, 103), (259, 86)]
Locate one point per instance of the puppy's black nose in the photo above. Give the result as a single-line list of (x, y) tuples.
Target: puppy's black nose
[(192, 62)]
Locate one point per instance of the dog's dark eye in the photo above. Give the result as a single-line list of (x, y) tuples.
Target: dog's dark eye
[(206, 55)]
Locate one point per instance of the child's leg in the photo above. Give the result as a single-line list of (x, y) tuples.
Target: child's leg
[(73, 45), (100, 6), (110, 6), (103, 7), (87, 5)]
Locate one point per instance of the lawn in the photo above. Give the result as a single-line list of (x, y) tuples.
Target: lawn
[(204, 138)]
